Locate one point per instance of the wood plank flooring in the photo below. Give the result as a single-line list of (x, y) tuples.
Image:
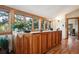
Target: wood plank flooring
[(67, 46)]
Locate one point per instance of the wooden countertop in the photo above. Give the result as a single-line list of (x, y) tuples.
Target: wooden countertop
[(33, 32)]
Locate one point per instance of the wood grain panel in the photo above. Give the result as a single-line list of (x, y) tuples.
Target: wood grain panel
[(57, 37), (19, 45), (60, 35), (36, 43), (26, 44), (49, 40), (43, 42), (53, 39)]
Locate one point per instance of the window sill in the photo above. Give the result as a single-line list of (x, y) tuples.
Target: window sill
[(5, 33)]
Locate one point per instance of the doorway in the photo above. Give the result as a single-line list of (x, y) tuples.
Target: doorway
[(72, 27)]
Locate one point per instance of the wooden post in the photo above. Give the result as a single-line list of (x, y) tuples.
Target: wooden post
[(66, 27), (11, 21), (32, 23), (78, 28)]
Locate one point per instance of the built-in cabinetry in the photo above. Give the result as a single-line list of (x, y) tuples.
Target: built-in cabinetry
[(37, 43)]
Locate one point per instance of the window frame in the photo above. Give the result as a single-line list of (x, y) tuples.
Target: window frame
[(12, 13), (38, 23), (7, 10)]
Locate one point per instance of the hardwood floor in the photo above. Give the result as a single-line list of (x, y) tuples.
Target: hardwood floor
[(67, 46)]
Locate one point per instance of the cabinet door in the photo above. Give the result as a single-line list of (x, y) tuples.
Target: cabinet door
[(57, 37), (19, 44), (53, 39), (44, 42), (26, 44), (60, 37), (49, 40), (36, 38)]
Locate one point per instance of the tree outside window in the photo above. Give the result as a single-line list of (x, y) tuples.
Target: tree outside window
[(4, 21), (36, 23), (28, 23), (22, 23)]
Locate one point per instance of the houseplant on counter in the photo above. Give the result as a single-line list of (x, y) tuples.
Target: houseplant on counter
[(19, 26)]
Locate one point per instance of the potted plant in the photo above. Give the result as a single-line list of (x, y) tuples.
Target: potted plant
[(18, 25)]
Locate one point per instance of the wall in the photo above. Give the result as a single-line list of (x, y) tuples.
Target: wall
[(73, 14), (59, 23)]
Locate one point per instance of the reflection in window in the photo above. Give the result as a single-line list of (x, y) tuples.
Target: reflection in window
[(36, 23), (4, 21)]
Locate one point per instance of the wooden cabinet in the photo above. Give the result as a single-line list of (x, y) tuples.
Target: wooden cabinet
[(53, 39), (36, 39), (43, 42), (36, 43), (57, 37), (19, 45), (60, 37), (22, 44), (49, 40), (26, 44)]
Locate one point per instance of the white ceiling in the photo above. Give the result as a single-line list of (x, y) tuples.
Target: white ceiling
[(49, 11)]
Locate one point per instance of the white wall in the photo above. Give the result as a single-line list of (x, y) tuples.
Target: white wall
[(61, 25)]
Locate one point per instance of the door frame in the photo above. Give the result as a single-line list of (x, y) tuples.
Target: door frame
[(67, 26)]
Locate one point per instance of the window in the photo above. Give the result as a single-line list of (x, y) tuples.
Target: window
[(49, 25), (28, 23), (4, 21), (36, 23), (43, 24), (46, 25), (19, 18), (19, 23), (22, 23)]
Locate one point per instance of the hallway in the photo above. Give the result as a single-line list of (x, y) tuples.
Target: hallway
[(70, 46)]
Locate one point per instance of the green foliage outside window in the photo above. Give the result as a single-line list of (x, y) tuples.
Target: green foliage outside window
[(22, 23), (36, 23), (28, 23), (4, 25)]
